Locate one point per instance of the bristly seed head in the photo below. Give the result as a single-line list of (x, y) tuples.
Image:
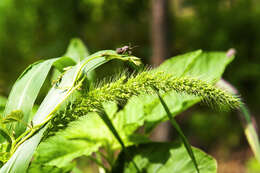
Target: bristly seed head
[(122, 89)]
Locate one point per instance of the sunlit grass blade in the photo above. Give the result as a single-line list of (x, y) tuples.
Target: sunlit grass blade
[(246, 120), (20, 160), (111, 127), (25, 147), (179, 131), (25, 91), (250, 131)]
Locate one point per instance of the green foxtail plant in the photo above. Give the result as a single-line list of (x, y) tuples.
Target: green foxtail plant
[(67, 114)]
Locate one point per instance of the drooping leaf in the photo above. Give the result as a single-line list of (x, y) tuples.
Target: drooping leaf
[(63, 62), (164, 158), (76, 52), (22, 156), (27, 86), (25, 91)]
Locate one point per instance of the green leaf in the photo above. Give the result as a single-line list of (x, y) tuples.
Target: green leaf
[(22, 156), (164, 158), (85, 136), (82, 137), (63, 62), (77, 50), (25, 91), (180, 64), (207, 66), (27, 86)]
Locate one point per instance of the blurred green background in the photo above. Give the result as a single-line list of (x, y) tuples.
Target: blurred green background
[(32, 30)]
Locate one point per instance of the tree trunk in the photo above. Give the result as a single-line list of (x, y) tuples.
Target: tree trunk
[(159, 31), (160, 51)]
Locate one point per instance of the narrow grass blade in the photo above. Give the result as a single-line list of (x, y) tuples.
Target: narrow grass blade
[(20, 160), (25, 91), (250, 131), (111, 127), (246, 120), (178, 129)]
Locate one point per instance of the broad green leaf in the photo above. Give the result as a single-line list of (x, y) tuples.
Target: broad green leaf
[(180, 64), (85, 136), (164, 158), (207, 66), (82, 137)]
